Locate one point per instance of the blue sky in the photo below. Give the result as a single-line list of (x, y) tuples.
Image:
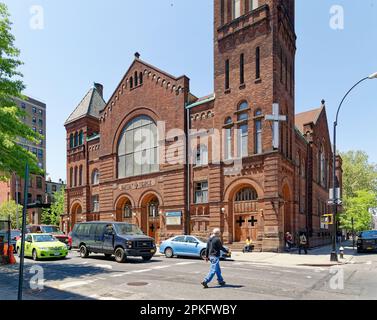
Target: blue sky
[(91, 40)]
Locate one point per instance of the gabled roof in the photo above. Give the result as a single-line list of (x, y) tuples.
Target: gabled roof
[(90, 105), (311, 116)]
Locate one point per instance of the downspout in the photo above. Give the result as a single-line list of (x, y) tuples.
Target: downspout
[(188, 171)]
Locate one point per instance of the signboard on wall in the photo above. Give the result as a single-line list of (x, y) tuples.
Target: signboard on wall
[(174, 218)]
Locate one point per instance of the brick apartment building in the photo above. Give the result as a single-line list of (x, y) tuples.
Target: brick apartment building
[(274, 172), (13, 189)]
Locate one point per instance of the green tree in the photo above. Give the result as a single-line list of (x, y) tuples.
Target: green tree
[(12, 156), (52, 215), (357, 207), (9, 208)]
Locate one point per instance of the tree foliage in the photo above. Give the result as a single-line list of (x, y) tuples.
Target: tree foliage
[(12, 156), (359, 190), (52, 215), (9, 208)]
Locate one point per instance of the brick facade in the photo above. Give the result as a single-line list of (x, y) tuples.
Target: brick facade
[(262, 194)]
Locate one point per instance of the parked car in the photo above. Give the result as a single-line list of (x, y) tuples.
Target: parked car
[(14, 236), (112, 238), (188, 246), (54, 230), (42, 246), (70, 241), (367, 241)]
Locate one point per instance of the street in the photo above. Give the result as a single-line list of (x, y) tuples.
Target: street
[(179, 279)]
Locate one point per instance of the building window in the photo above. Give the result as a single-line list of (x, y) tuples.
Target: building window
[(81, 138), (34, 129), (23, 105), (34, 120), (227, 82), (40, 153), (323, 167), (138, 148), (71, 177), (39, 183), (286, 72), (80, 175), (39, 199), (201, 192), (243, 129), (236, 8), (222, 12), (258, 133), (95, 203), (281, 64), (76, 139), (141, 78), (53, 188), (257, 63), (228, 139), (253, 4), (75, 179), (246, 194), (95, 177), (242, 69), (40, 112), (34, 110), (40, 122), (71, 141), (201, 155), (153, 210), (40, 131), (127, 211), (131, 83)]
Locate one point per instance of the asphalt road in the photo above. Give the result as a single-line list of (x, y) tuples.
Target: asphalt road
[(179, 279)]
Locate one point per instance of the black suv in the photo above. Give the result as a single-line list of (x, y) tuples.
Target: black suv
[(367, 241), (112, 238)]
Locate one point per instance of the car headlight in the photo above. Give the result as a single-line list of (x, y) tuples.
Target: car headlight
[(129, 244)]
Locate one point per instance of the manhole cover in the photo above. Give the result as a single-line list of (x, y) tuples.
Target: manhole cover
[(137, 284)]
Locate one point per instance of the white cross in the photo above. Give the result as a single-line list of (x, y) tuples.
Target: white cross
[(276, 118)]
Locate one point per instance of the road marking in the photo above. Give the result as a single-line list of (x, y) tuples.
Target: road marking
[(369, 263), (104, 266), (120, 274), (140, 271), (308, 277), (74, 284), (161, 267), (184, 263)]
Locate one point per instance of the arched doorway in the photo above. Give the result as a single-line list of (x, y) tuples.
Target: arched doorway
[(150, 216), (75, 212), (124, 210), (287, 210), (245, 214)]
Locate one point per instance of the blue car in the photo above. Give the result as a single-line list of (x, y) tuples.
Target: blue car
[(187, 246)]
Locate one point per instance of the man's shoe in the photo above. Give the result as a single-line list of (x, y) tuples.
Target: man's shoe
[(205, 285), (222, 283)]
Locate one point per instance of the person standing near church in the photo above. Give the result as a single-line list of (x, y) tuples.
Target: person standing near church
[(213, 252), (303, 243)]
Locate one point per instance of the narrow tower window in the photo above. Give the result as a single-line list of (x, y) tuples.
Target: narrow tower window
[(227, 74), (242, 67), (257, 63)]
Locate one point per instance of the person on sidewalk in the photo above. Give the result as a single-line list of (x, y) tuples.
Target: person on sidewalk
[(303, 243), (213, 251), (248, 245), (288, 241)]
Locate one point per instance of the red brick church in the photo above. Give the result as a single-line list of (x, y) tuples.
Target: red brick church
[(240, 158)]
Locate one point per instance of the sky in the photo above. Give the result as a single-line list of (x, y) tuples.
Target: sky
[(80, 42)]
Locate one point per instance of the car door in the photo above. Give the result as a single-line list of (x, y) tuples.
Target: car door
[(108, 238), (179, 245), (28, 245), (192, 246), (99, 237)]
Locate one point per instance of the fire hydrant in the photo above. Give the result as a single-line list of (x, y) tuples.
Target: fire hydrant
[(341, 250)]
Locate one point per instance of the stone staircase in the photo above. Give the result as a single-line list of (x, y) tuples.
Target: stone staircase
[(238, 246)]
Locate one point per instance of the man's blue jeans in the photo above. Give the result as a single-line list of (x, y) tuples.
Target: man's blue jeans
[(215, 269)]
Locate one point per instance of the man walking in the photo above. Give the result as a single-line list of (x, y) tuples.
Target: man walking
[(303, 243), (214, 248)]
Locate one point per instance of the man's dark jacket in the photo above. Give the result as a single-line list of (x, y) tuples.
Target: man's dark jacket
[(214, 247)]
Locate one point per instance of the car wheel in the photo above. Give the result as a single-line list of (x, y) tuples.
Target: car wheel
[(35, 255), (120, 255), (108, 256), (203, 254), (84, 253), (169, 253)]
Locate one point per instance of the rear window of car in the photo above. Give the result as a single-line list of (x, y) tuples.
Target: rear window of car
[(179, 239), (369, 234)]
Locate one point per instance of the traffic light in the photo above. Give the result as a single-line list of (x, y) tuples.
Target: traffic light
[(327, 219)]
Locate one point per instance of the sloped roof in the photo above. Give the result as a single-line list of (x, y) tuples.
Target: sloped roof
[(311, 116), (90, 105)]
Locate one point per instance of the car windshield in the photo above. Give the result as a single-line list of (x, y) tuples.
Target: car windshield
[(127, 229), (15, 233), (369, 234), (44, 238), (51, 229)]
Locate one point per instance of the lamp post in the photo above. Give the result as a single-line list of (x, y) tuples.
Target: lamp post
[(336, 197)]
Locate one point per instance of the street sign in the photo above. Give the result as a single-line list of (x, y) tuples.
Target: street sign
[(373, 211), (332, 196), (327, 219)]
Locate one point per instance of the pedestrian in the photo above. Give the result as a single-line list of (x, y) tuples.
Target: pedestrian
[(213, 251), (303, 242), (248, 245), (288, 241), (339, 235)]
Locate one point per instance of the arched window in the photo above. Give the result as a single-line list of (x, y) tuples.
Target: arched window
[(81, 138), (76, 139), (71, 177), (75, 179), (236, 9), (131, 83), (153, 209), (322, 159), (127, 210), (228, 138), (95, 177), (258, 132), (243, 129), (253, 4), (141, 77), (136, 79), (138, 148), (246, 194), (71, 141)]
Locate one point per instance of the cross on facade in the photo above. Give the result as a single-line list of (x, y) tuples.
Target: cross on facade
[(152, 227), (276, 118), (240, 221), (253, 221)]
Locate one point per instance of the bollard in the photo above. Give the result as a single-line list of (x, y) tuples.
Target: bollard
[(341, 250)]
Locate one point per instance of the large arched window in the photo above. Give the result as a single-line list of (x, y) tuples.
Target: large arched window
[(322, 165), (138, 148), (258, 132), (243, 129), (228, 138), (246, 194)]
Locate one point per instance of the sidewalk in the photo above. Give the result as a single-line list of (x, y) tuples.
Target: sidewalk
[(315, 257)]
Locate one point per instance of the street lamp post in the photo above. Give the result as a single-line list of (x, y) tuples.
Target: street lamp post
[(336, 197)]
